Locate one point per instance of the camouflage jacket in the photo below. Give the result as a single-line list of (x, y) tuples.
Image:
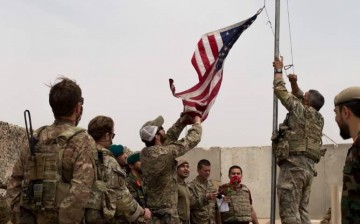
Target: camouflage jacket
[(78, 170), (240, 204), (202, 210), (183, 201), (350, 200), (137, 189), (127, 208), (158, 166), (305, 126)]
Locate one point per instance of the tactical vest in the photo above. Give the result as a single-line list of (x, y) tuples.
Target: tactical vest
[(102, 202), (43, 187), (239, 207), (302, 137)]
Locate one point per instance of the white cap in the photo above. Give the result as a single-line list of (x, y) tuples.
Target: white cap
[(147, 133)]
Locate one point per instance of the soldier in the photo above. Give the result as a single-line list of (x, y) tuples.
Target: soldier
[(4, 207), (134, 180), (120, 204), (158, 163), (183, 207), (202, 195), (347, 116), (64, 153), (121, 156), (238, 196), (298, 147)]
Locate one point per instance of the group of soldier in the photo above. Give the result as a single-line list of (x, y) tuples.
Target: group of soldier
[(66, 174)]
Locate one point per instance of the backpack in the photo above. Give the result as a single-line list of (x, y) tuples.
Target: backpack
[(42, 186)]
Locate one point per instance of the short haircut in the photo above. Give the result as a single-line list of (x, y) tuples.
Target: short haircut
[(235, 167), (316, 100), (64, 96), (202, 163), (354, 106), (99, 126)]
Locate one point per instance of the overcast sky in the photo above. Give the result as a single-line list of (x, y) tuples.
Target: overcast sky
[(123, 52)]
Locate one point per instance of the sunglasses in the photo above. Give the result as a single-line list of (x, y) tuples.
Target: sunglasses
[(112, 135)]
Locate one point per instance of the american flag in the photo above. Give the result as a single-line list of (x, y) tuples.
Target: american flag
[(208, 61)]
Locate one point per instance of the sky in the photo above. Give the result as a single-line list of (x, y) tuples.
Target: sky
[(122, 53)]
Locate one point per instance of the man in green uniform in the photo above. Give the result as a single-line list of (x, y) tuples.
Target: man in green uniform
[(134, 180), (119, 205), (203, 195), (347, 116), (238, 197), (183, 172), (158, 163), (297, 147), (53, 185), (121, 154)]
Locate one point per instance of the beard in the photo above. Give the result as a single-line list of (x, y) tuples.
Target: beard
[(344, 131), (162, 139)]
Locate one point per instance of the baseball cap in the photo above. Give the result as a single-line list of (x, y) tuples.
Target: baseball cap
[(149, 129), (348, 95), (181, 162)]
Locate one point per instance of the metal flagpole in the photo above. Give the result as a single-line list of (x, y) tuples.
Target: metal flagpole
[(275, 115)]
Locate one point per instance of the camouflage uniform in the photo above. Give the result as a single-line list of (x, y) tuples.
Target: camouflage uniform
[(184, 201), (78, 173), (137, 189), (297, 167), (350, 199), (158, 166), (120, 206), (202, 210), (4, 207), (239, 205)]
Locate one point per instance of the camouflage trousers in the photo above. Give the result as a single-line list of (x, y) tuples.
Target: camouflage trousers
[(4, 210), (165, 216), (293, 190), (23, 216)]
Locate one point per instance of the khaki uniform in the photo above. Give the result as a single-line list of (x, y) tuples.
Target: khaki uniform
[(119, 205), (202, 210), (5, 211), (158, 166), (301, 152), (184, 201), (239, 205), (78, 173)]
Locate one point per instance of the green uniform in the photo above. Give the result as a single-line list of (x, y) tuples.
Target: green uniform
[(202, 210), (350, 199), (184, 201), (158, 166), (137, 189), (297, 152)]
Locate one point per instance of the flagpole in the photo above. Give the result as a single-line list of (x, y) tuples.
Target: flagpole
[(275, 115)]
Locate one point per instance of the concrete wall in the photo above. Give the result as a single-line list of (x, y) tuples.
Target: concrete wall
[(256, 165)]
